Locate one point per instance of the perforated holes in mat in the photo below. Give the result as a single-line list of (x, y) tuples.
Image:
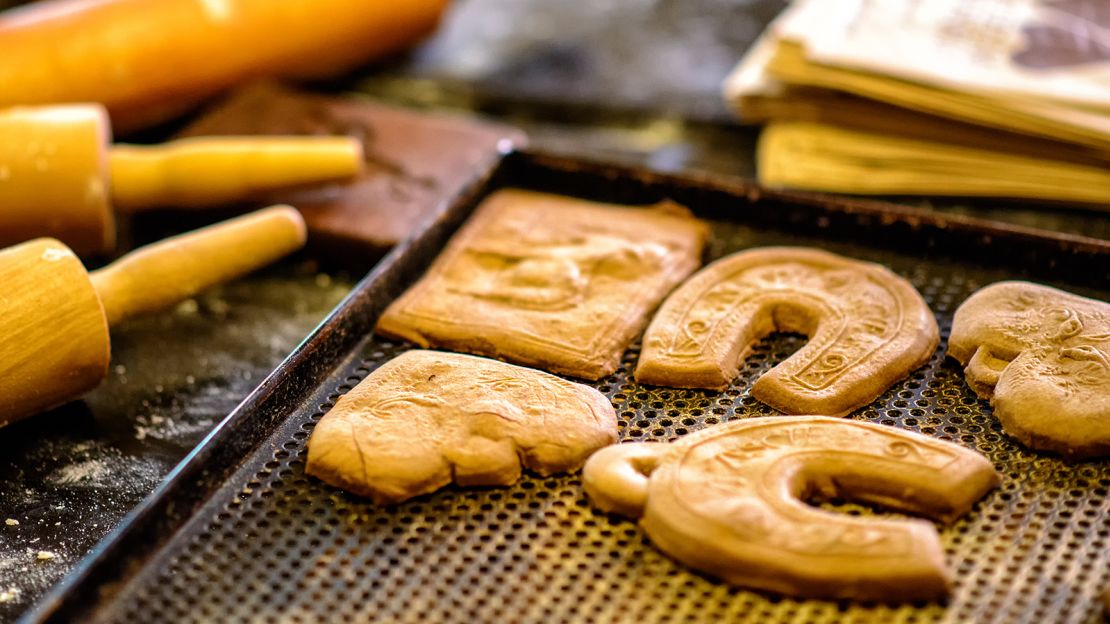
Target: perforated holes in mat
[(286, 548)]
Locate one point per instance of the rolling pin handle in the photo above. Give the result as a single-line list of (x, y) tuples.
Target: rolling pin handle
[(162, 274)]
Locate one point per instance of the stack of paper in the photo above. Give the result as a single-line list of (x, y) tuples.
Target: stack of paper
[(1004, 98)]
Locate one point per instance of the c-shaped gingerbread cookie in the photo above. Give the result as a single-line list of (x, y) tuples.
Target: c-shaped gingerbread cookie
[(1042, 357), (868, 328), (728, 500)]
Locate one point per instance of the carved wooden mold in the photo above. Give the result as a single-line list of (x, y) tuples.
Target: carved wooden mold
[(867, 329), (728, 501), (1042, 357), (413, 160)]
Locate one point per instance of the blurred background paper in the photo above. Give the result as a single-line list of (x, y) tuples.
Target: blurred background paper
[(1052, 49), (937, 97)]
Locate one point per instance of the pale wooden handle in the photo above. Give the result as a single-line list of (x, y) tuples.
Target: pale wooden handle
[(160, 275), (209, 171)]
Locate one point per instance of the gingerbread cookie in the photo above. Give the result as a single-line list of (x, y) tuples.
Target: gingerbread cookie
[(729, 501), (426, 418), (553, 282), (867, 329), (1042, 357)]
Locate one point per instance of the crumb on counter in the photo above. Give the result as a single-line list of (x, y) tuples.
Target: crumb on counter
[(11, 522), (9, 594), (44, 555), (187, 307)]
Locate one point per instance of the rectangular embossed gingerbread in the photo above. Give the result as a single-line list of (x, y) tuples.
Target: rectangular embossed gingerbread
[(554, 282)]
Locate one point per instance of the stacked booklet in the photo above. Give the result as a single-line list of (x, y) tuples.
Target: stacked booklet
[(996, 98)]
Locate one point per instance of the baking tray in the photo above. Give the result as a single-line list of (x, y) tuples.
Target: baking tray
[(239, 533)]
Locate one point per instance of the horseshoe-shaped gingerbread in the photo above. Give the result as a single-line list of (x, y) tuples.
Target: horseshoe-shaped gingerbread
[(867, 329), (728, 501), (1042, 357)]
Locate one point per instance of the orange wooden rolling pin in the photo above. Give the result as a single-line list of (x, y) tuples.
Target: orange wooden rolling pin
[(54, 315), (61, 177), (149, 60)]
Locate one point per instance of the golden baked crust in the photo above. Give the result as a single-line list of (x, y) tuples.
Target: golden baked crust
[(553, 282), (427, 418), (729, 500), (868, 328), (1042, 357)]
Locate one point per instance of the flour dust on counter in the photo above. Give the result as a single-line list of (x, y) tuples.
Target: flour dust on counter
[(68, 476)]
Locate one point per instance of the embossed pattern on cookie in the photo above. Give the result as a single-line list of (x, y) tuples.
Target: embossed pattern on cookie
[(548, 281), (729, 501), (428, 418), (1042, 357), (867, 329)]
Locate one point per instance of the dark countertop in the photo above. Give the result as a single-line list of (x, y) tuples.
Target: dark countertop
[(68, 476), (637, 81), (634, 81)]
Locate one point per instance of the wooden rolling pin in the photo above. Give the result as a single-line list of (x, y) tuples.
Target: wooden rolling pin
[(148, 60), (54, 315), (61, 177)]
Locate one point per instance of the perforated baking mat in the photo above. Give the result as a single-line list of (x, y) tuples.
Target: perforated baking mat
[(241, 534)]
